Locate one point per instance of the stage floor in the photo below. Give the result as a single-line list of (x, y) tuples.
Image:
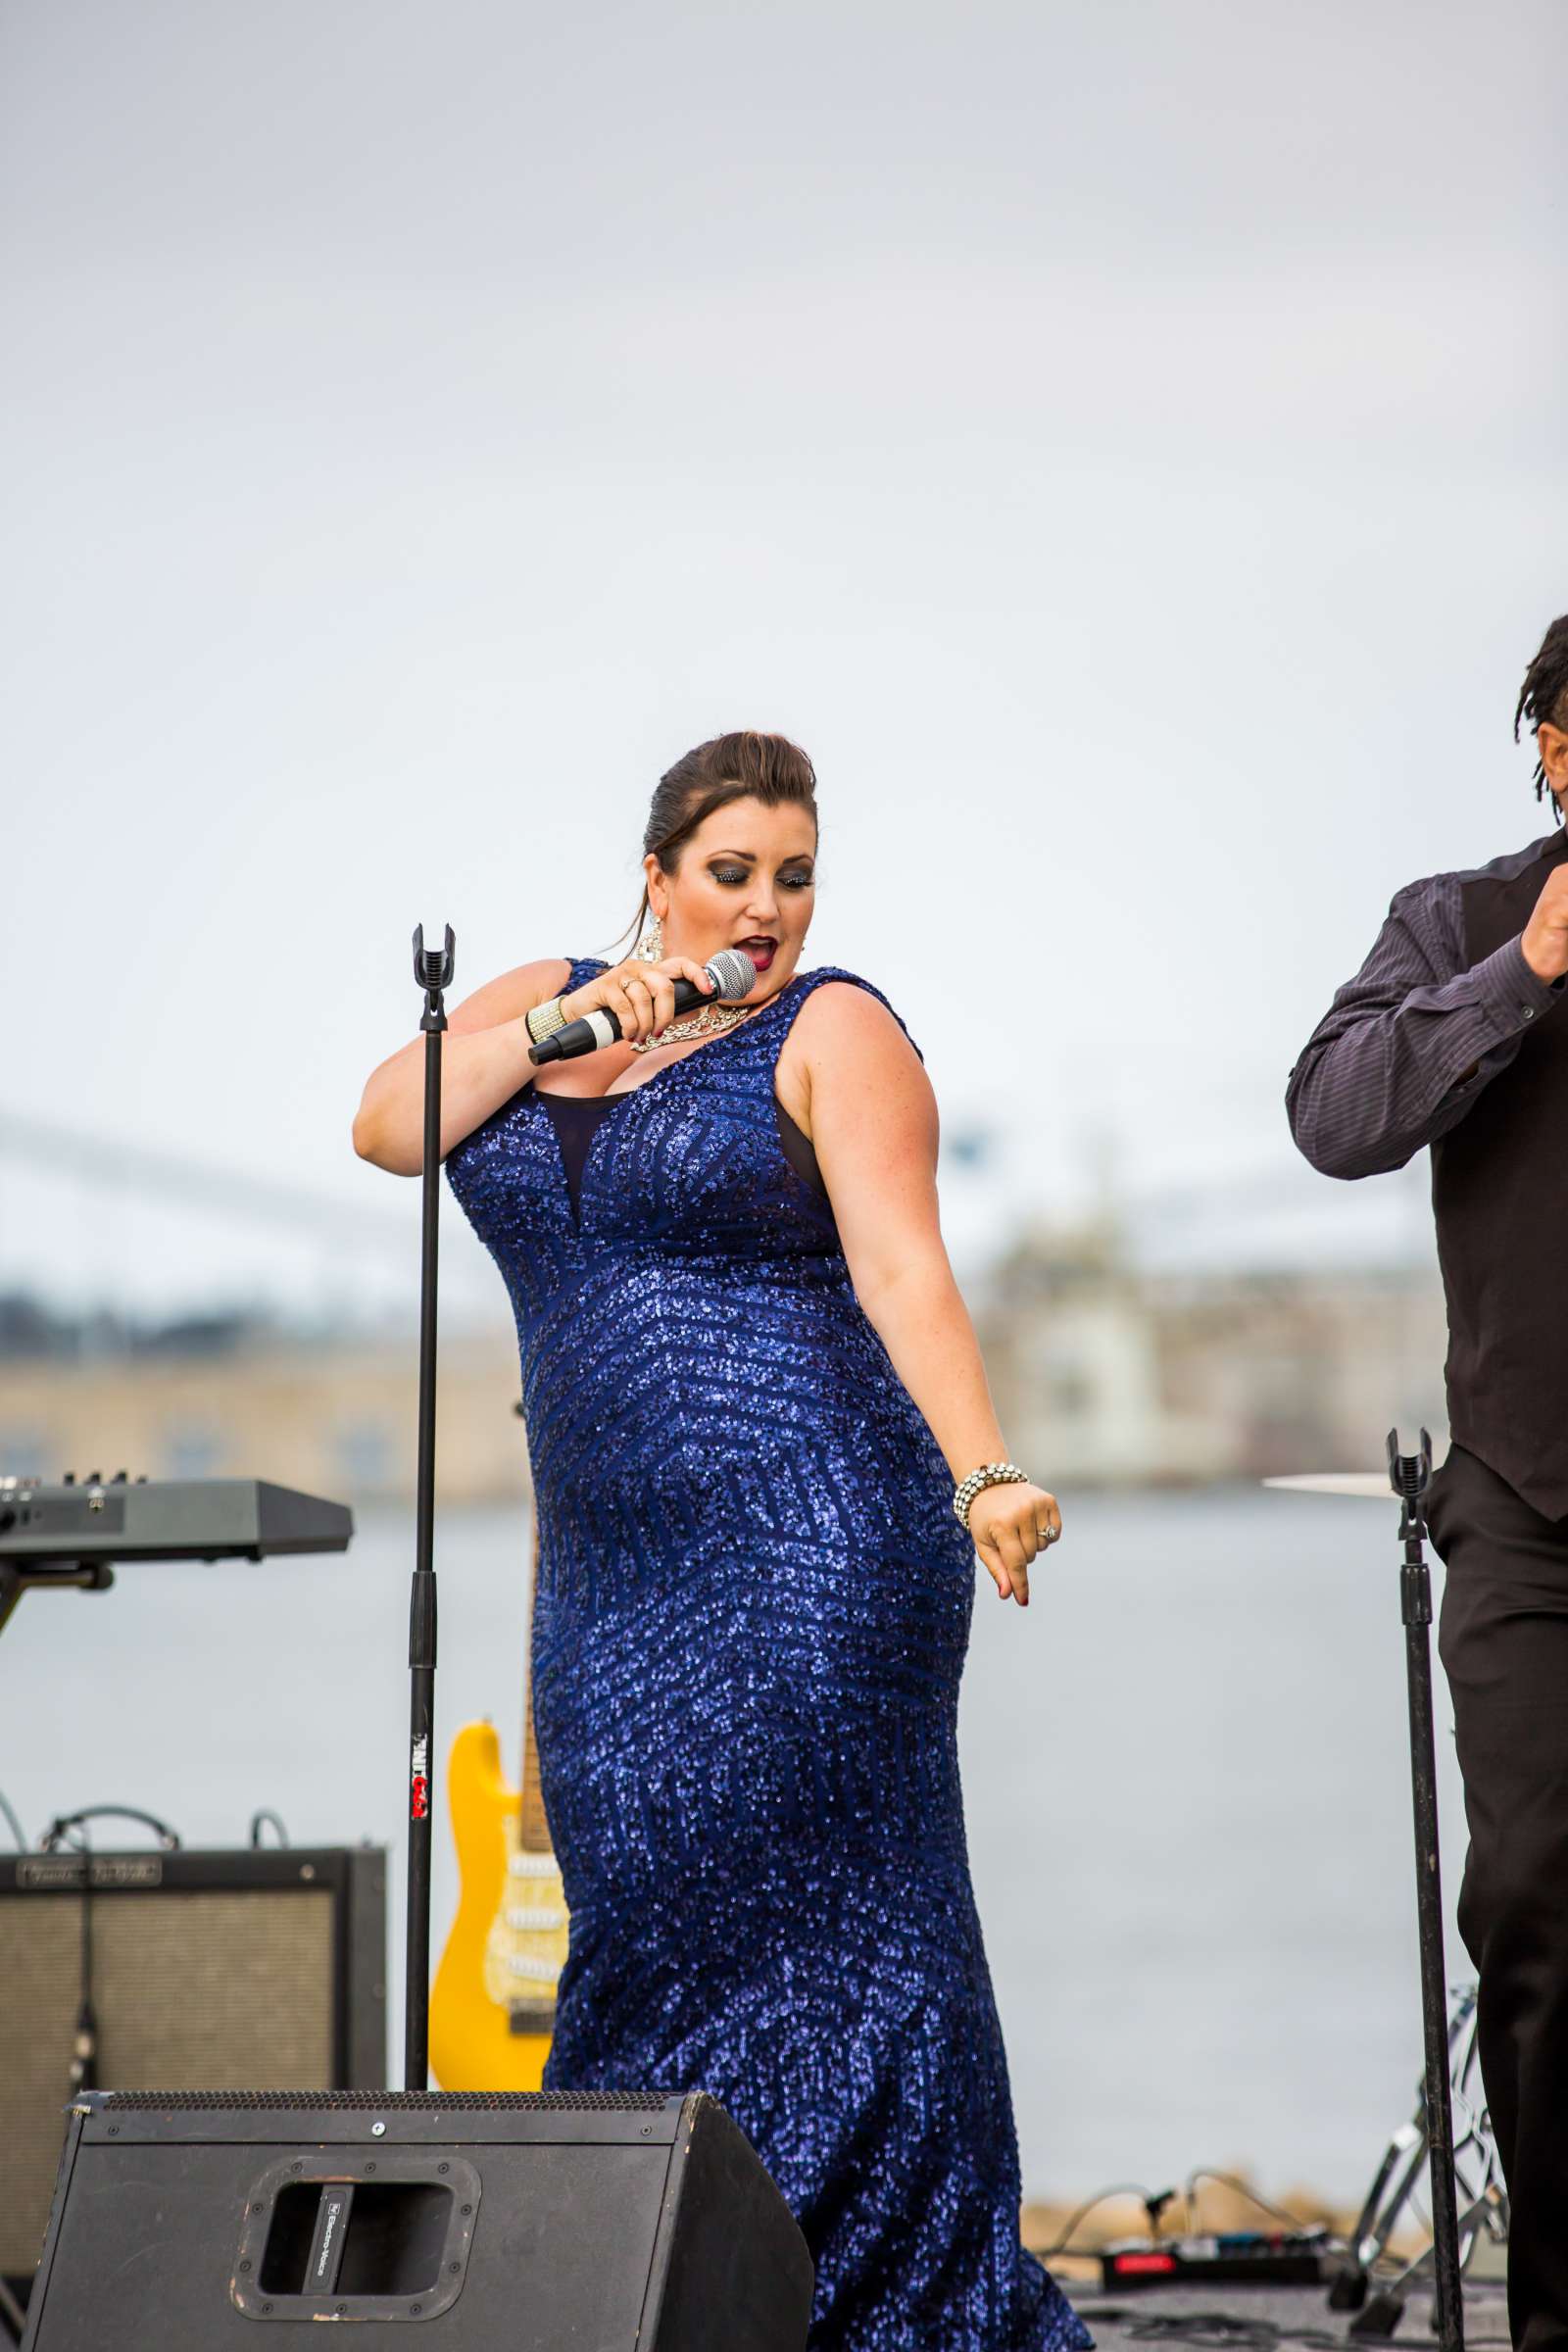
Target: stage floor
[(1251, 2319)]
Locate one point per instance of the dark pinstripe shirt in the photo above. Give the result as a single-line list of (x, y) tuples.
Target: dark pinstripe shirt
[(1408, 1044)]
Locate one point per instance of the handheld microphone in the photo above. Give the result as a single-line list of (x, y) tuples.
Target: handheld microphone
[(731, 971)]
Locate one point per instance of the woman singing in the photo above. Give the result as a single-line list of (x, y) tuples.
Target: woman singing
[(752, 1390)]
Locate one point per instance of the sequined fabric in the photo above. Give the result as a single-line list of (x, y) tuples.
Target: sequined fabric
[(750, 1622)]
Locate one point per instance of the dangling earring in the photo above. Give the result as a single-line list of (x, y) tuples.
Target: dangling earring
[(650, 946)]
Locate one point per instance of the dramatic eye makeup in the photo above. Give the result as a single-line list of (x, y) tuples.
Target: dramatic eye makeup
[(732, 876)]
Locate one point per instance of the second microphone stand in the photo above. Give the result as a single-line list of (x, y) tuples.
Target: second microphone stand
[(1410, 1475), (432, 970)]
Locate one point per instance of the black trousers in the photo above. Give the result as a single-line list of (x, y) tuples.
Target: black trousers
[(1503, 1640)]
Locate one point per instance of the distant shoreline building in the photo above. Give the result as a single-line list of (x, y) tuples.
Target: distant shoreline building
[(1106, 1375), (226, 1398)]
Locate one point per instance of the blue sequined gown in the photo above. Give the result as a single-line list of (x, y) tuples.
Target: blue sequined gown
[(751, 1617)]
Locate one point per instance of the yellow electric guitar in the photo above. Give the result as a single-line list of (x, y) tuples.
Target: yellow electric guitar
[(493, 2003)]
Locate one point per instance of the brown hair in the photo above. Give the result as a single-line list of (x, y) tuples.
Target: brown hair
[(729, 767)]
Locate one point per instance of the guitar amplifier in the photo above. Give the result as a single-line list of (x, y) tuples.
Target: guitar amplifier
[(263, 1968)]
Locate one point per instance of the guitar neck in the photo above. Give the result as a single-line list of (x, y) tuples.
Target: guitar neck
[(533, 1829)]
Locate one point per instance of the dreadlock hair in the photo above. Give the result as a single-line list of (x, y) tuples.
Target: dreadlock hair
[(729, 767), (1544, 696)]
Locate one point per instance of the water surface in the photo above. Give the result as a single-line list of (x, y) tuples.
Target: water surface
[(1186, 1774)]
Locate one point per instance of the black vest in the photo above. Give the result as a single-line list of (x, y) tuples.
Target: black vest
[(1500, 1189)]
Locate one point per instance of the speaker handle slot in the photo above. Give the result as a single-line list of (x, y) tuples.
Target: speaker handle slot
[(331, 2234)]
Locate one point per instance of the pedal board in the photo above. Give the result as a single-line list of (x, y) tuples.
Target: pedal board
[(1232, 2258)]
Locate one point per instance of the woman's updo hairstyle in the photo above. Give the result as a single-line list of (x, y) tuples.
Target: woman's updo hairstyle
[(747, 766)]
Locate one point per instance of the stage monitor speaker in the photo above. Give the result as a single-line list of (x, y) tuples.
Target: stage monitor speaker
[(220, 1970), (616, 2221)]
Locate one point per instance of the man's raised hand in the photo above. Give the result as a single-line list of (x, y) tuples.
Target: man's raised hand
[(1545, 935)]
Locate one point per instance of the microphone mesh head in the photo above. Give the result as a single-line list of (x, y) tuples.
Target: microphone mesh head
[(733, 970)]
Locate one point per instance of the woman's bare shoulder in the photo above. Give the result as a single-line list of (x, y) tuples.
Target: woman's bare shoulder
[(512, 994), (847, 1042), (846, 1015)]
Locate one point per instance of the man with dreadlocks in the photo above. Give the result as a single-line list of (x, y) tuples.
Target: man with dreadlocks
[(1451, 1034)]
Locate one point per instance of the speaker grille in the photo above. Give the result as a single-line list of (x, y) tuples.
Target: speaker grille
[(209, 1988), (390, 2102)]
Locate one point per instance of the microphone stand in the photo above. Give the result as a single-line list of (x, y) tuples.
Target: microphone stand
[(1408, 1476), (432, 971)]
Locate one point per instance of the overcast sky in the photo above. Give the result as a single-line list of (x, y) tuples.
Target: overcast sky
[(1123, 443)]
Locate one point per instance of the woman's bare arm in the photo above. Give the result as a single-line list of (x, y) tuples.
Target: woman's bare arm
[(485, 1060), (873, 1125)]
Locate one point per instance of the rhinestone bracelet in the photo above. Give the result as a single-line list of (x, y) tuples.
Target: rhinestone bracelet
[(990, 1474), (545, 1020)]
